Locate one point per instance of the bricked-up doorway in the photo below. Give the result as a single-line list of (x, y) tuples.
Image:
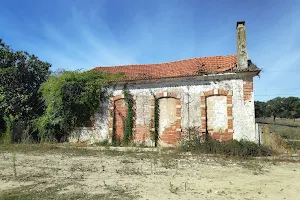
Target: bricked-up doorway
[(169, 131), (120, 111)]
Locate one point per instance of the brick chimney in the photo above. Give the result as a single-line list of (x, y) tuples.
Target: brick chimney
[(242, 53)]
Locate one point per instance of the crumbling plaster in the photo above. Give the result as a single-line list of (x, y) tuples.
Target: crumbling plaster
[(189, 90)]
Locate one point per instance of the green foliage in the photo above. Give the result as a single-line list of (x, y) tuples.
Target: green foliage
[(154, 135), (156, 120), (260, 109), (71, 99), (21, 75), (129, 119), (241, 148), (102, 143), (9, 123), (278, 107)]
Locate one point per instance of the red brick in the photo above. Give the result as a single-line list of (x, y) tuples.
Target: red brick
[(229, 99), (230, 125), (223, 92), (209, 93), (203, 112), (170, 135), (229, 111), (142, 133), (248, 89)]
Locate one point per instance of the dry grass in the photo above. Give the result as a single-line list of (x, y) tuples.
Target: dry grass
[(288, 129), (51, 171), (279, 121)]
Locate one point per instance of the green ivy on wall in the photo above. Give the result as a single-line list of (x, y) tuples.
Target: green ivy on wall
[(154, 135), (156, 120), (129, 119)]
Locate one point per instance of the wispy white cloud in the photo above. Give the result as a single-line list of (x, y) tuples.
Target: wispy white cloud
[(75, 34)]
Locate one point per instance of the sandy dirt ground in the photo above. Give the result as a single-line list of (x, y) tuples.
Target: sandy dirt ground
[(108, 174)]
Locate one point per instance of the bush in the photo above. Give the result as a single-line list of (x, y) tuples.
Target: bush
[(241, 148), (71, 99)]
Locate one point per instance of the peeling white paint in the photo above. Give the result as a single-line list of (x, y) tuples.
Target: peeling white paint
[(167, 111), (190, 90), (217, 113)]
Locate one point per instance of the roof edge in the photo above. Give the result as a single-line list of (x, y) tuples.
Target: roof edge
[(146, 64)]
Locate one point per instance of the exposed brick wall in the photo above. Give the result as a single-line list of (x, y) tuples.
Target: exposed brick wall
[(192, 112), (172, 134), (142, 133), (248, 90), (213, 134), (118, 112)]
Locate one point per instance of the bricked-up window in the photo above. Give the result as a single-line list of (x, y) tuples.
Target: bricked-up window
[(216, 114)]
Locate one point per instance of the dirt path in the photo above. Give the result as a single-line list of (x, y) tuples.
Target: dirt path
[(146, 175)]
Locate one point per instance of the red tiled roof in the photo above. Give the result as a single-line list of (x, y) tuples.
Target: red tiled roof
[(181, 68)]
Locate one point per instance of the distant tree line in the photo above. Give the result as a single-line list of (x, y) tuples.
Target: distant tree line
[(282, 107)]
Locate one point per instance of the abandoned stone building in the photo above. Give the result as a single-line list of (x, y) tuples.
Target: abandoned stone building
[(212, 96)]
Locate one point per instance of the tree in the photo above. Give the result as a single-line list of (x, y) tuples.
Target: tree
[(275, 107), (279, 107), (260, 109), (21, 75), (295, 109), (71, 99)]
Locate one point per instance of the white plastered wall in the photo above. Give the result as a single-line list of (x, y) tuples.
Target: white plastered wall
[(190, 91)]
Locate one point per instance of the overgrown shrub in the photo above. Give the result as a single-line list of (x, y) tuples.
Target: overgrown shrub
[(129, 119), (102, 143), (71, 99), (241, 148), (9, 123)]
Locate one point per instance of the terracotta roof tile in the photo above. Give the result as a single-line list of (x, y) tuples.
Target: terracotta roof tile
[(181, 68)]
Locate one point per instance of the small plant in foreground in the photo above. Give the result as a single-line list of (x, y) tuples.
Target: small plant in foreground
[(173, 188), (102, 143), (14, 158)]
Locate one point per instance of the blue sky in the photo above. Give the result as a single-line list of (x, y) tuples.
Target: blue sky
[(82, 34)]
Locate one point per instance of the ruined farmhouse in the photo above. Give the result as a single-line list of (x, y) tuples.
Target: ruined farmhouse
[(212, 96)]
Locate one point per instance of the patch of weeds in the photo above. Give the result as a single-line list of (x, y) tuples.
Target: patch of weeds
[(118, 192), (126, 170), (14, 159), (127, 161), (33, 195), (254, 166), (83, 168), (102, 143), (50, 148), (33, 177), (173, 188), (112, 152), (243, 148), (168, 163), (31, 192)]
